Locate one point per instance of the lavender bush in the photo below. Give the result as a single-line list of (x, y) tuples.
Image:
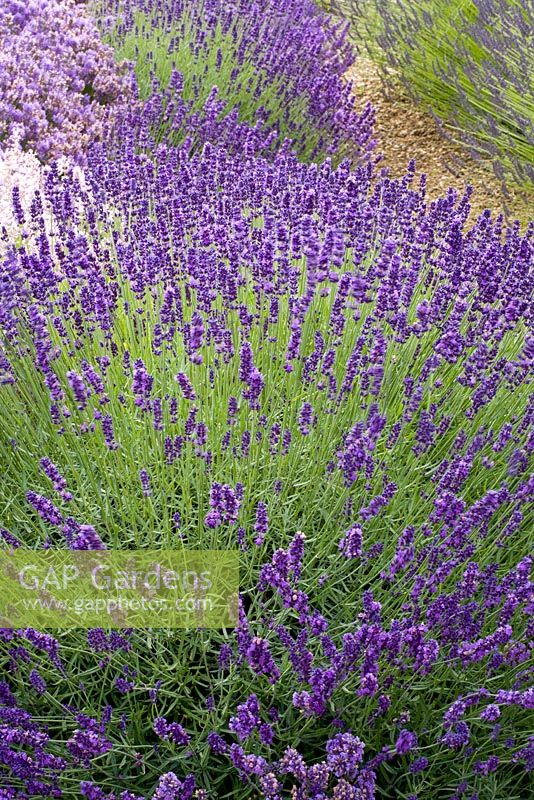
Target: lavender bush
[(224, 350), (278, 63), (58, 81), (221, 346)]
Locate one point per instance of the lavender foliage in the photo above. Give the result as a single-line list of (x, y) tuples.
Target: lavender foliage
[(468, 61)]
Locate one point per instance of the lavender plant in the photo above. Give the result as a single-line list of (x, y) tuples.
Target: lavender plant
[(203, 347), (215, 349), (277, 63), (470, 63), (58, 81)]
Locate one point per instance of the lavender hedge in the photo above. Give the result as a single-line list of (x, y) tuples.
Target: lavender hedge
[(222, 346), (279, 63)]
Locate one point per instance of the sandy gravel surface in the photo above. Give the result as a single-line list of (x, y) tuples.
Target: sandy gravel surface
[(404, 131)]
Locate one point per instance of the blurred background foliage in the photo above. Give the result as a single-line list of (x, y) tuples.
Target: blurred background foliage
[(469, 62)]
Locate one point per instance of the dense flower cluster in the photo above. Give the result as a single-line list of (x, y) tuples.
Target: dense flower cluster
[(402, 332), (315, 365), (58, 81)]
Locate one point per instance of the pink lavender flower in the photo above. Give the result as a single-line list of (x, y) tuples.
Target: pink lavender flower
[(70, 78)]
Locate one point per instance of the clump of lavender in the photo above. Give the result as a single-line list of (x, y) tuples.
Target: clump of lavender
[(58, 81), (393, 416), (216, 347), (278, 66)]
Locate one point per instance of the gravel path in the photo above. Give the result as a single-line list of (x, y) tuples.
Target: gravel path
[(404, 131)]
